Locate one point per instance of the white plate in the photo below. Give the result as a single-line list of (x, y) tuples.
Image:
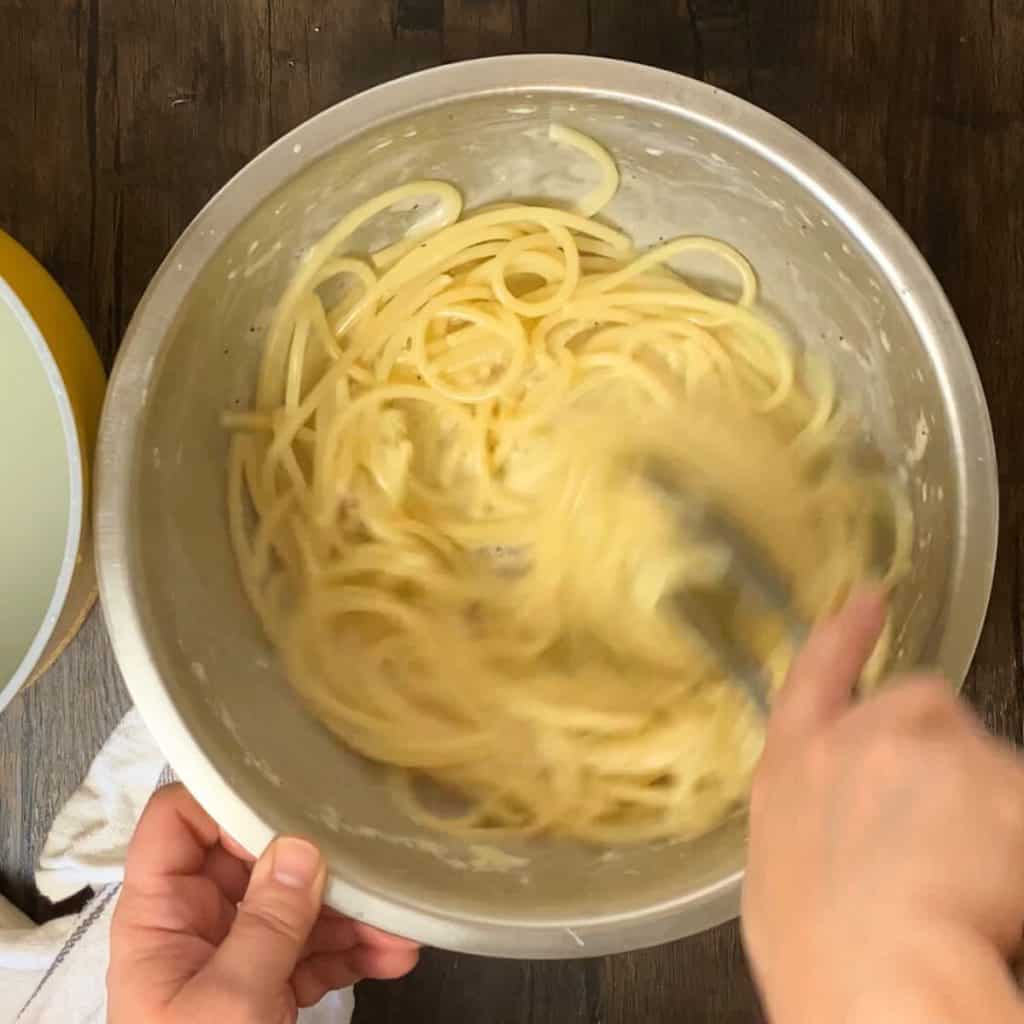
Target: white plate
[(40, 494)]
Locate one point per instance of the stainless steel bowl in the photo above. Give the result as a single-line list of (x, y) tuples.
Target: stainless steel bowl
[(836, 270)]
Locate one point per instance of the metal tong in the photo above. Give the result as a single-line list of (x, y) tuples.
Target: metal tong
[(748, 569)]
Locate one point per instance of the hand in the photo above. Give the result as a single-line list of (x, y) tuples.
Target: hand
[(202, 935), (886, 868)]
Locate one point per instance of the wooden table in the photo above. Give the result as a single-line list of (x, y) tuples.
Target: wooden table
[(119, 118)]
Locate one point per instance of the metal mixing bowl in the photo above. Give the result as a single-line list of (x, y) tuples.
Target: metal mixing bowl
[(836, 271)]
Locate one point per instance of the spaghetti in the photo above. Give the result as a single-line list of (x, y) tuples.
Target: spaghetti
[(437, 508)]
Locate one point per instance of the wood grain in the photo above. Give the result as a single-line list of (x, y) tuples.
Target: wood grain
[(557, 26), (48, 736), (121, 117), (482, 28)]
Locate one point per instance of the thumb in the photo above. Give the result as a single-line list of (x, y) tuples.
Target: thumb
[(274, 920), (825, 672)]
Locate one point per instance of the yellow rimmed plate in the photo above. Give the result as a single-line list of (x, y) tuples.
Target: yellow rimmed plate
[(51, 390)]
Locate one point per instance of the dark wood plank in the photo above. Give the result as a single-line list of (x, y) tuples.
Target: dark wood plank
[(323, 53), (967, 215), (557, 26), (419, 33), (183, 101), (704, 978), (658, 32), (448, 987), (45, 181), (481, 28), (723, 44)]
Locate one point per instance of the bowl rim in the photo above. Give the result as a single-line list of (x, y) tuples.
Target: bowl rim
[(792, 153), (76, 493)]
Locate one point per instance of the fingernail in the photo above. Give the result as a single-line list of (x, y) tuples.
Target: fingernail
[(295, 862)]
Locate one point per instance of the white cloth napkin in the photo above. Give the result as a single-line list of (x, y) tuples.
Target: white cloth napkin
[(56, 972)]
